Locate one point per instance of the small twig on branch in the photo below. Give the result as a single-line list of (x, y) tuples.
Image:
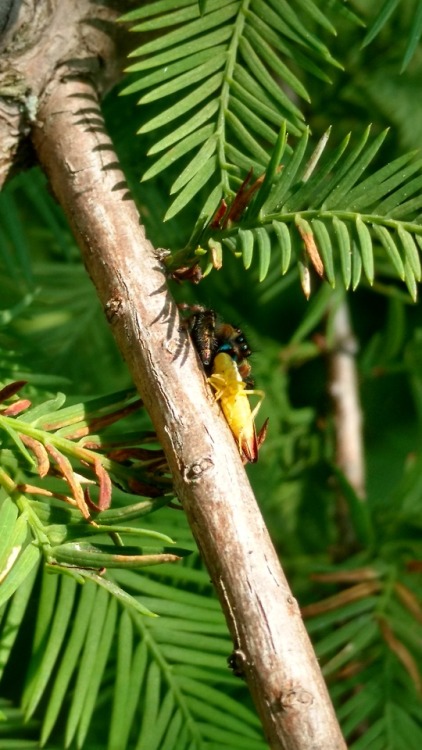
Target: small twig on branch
[(269, 636)]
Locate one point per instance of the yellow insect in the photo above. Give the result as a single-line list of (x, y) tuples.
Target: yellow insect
[(231, 392)]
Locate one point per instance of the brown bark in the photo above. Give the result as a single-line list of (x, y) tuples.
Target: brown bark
[(47, 37), (271, 643)]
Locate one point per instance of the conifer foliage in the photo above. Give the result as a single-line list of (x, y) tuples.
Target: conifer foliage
[(254, 126)]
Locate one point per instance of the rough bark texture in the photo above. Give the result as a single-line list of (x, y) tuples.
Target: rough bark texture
[(272, 646)]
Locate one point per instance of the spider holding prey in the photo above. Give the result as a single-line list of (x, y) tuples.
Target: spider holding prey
[(224, 351)]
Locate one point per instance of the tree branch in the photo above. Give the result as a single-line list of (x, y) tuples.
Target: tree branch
[(269, 636), (344, 391)]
